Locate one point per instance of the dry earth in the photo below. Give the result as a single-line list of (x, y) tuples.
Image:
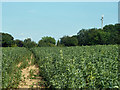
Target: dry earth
[(30, 78)]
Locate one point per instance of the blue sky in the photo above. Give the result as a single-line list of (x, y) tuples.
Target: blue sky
[(55, 19)]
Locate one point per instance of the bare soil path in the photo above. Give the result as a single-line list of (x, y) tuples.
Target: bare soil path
[(30, 77)]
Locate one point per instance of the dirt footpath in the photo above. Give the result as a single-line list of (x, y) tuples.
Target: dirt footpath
[(30, 77)]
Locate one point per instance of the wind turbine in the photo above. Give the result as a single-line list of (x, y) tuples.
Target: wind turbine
[(102, 22)]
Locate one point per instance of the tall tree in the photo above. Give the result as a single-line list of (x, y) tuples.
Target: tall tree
[(82, 37), (7, 40), (29, 44), (46, 42), (69, 41), (19, 43)]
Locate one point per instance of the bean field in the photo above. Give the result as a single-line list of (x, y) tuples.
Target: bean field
[(11, 73), (66, 67)]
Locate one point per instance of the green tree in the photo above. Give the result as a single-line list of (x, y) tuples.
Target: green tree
[(117, 28), (19, 43), (109, 35), (114, 33), (69, 41), (58, 43), (104, 37), (29, 44), (46, 42), (7, 40), (82, 37), (27, 40), (92, 38)]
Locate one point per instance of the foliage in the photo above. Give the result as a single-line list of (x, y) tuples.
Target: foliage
[(109, 35), (28, 43), (7, 40), (47, 42), (11, 73), (79, 67), (58, 43), (114, 31), (19, 43), (69, 41)]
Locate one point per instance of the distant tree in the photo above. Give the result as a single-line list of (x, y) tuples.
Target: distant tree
[(33, 44), (117, 28), (74, 40), (109, 28), (82, 37), (7, 40), (27, 40), (19, 43), (69, 41), (114, 33), (93, 37), (46, 42), (110, 34), (29, 44), (58, 43), (104, 37)]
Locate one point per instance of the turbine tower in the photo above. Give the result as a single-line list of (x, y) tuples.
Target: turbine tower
[(102, 22)]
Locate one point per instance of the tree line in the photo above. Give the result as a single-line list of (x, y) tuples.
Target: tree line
[(110, 34)]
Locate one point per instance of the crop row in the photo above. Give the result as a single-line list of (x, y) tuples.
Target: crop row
[(79, 67), (11, 73)]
